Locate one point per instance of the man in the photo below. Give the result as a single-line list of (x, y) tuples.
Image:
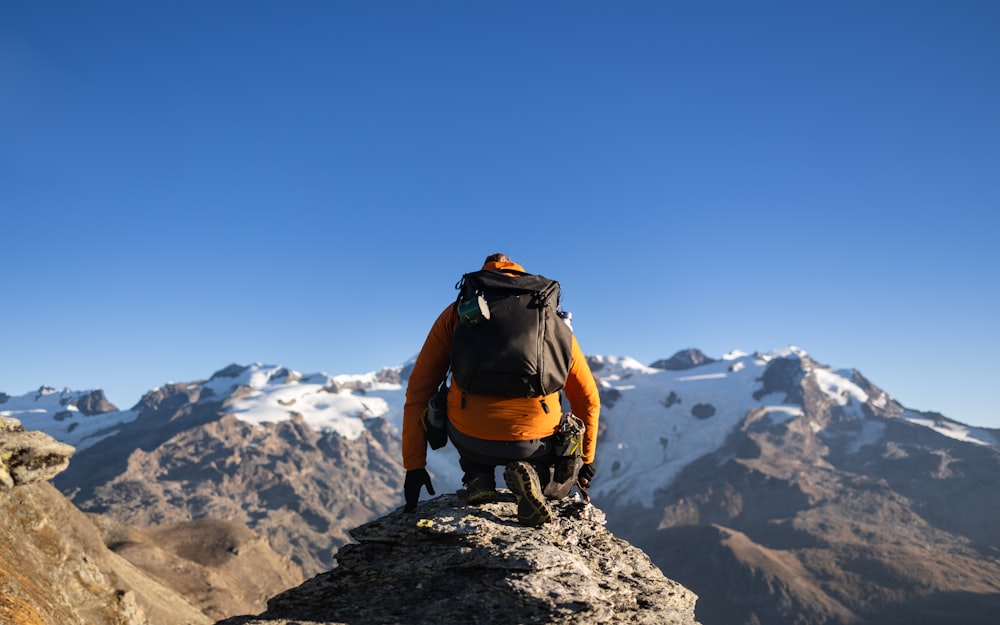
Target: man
[(495, 430)]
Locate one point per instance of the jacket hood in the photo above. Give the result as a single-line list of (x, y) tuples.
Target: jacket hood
[(501, 266)]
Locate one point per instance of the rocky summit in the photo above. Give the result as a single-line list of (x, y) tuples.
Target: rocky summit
[(448, 563)]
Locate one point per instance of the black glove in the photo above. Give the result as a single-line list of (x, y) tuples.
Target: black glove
[(586, 474), (411, 487)]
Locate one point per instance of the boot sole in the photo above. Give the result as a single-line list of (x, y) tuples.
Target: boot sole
[(532, 509)]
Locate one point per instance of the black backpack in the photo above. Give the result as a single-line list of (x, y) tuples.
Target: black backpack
[(510, 340)]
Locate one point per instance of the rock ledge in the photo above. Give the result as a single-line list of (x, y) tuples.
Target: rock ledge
[(448, 563)]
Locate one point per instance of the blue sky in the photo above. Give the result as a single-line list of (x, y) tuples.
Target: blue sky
[(184, 185)]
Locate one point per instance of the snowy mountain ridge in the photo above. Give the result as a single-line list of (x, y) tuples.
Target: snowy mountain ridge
[(659, 421), (255, 393), (655, 421)]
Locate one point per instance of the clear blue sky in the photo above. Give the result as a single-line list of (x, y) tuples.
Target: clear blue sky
[(184, 184)]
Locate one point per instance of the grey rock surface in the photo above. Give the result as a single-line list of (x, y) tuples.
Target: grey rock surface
[(447, 563), (29, 456)]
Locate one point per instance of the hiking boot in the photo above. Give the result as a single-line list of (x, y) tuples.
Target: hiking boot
[(522, 480), (480, 489)]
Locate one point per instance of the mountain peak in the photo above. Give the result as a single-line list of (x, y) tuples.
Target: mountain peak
[(570, 571), (232, 371), (684, 359)]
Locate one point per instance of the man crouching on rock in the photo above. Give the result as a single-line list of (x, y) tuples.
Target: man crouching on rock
[(510, 352)]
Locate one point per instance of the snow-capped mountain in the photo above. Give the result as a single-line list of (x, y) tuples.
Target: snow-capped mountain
[(659, 421), (656, 419), (781, 490), (341, 405), (256, 394), (80, 418)]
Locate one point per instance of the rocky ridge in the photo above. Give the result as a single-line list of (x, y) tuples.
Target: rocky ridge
[(451, 564), (54, 566), (60, 565)]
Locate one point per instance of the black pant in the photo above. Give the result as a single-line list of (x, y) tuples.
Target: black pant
[(478, 456)]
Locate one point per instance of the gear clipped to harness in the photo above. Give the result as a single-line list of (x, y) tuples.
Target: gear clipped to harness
[(569, 437), (567, 446), (435, 418)]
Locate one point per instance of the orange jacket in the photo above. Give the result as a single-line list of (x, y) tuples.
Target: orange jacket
[(491, 417)]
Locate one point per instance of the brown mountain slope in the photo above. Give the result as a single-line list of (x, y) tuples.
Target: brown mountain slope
[(54, 566), (784, 525), (301, 488), (222, 567)]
